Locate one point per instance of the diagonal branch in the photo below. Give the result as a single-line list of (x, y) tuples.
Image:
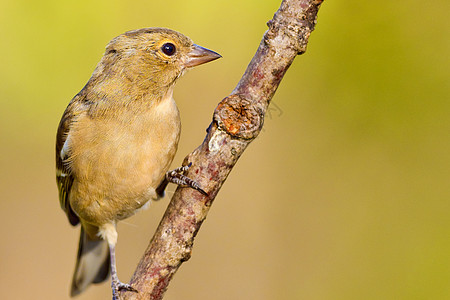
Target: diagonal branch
[(237, 121)]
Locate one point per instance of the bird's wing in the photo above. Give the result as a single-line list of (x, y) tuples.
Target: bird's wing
[(64, 176)]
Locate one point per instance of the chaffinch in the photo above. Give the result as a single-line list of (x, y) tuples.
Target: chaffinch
[(117, 139)]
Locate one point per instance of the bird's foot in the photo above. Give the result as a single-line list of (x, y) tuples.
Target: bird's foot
[(118, 286), (176, 176)]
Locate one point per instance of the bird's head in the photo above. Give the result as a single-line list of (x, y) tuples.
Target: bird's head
[(151, 58)]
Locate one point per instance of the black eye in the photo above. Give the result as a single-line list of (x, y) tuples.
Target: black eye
[(168, 49)]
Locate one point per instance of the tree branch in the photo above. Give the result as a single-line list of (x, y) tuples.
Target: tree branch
[(237, 121)]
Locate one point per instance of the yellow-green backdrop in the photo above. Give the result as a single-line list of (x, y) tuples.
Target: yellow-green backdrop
[(344, 195)]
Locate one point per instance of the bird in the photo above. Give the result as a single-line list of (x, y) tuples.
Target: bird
[(116, 140)]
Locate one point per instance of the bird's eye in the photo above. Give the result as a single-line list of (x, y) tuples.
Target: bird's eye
[(168, 49)]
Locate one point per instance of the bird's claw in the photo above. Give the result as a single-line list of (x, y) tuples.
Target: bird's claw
[(126, 287), (176, 176), (118, 286)]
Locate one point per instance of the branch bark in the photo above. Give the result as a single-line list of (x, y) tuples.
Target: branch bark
[(237, 121)]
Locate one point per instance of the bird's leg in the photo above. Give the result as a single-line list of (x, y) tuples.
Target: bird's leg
[(176, 176), (160, 190), (116, 285)]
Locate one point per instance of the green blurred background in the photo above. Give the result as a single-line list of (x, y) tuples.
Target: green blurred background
[(344, 195)]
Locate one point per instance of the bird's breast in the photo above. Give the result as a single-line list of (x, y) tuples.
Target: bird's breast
[(118, 162)]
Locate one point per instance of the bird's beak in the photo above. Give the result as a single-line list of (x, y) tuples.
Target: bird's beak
[(200, 55)]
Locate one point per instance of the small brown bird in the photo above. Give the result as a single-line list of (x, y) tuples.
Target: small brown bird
[(117, 139)]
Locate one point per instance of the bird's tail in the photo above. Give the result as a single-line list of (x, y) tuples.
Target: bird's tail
[(93, 262)]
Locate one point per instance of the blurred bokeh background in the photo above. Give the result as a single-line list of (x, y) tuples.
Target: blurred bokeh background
[(344, 195)]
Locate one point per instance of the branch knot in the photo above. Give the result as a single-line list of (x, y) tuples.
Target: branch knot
[(239, 117)]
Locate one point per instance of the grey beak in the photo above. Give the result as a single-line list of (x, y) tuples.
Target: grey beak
[(200, 55)]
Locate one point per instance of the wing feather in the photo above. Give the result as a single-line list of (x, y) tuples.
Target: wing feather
[(64, 176)]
